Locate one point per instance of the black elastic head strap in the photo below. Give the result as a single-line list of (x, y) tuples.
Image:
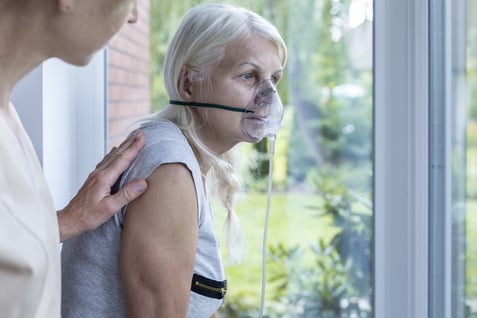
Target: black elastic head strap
[(195, 104)]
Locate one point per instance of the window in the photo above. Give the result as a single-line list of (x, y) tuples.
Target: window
[(385, 137), (462, 131), (466, 113), (452, 110)]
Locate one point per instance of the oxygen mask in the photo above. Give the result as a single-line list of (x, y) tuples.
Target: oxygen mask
[(264, 113)]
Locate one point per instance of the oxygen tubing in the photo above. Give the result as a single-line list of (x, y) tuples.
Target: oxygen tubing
[(271, 140)]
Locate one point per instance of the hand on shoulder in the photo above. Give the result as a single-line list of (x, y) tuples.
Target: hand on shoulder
[(94, 204)]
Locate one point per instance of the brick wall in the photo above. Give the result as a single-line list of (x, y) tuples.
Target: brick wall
[(128, 76)]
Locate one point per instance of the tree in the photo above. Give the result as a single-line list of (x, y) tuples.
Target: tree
[(319, 64)]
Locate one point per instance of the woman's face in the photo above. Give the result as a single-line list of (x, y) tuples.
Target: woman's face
[(233, 82), (90, 24)]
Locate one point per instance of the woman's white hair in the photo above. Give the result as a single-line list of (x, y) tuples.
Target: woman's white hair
[(199, 44)]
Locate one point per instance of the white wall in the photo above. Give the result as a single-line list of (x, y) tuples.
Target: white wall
[(63, 109)]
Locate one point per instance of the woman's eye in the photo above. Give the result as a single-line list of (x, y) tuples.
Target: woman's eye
[(247, 76)]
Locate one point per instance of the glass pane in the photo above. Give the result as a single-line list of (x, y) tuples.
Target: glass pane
[(319, 252), (464, 186)]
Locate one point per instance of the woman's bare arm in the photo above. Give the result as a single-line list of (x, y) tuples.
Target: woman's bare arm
[(158, 245)]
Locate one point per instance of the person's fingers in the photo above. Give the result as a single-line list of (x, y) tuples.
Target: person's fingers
[(124, 154), (138, 134), (126, 194), (108, 157), (94, 204)]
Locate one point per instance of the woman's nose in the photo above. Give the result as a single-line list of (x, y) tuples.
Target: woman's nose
[(133, 16)]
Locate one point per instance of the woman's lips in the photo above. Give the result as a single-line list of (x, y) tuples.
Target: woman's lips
[(256, 119)]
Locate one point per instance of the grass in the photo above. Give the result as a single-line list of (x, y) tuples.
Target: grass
[(293, 220)]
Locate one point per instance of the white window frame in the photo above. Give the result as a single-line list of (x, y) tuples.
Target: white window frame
[(401, 142), (440, 161)]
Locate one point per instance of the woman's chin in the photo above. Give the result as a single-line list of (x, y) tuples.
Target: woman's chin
[(253, 138)]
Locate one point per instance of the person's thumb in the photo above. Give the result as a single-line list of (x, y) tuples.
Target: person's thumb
[(129, 192)]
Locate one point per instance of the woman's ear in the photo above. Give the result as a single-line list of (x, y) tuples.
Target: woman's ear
[(185, 83)]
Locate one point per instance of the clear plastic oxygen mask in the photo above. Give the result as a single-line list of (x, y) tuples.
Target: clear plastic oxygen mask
[(264, 113)]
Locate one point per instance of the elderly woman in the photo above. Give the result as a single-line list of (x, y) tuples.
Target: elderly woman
[(159, 256)]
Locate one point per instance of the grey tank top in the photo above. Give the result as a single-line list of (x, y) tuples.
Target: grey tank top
[(91, 284)]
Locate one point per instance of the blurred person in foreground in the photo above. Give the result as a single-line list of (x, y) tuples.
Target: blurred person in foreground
[(33, 31)]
